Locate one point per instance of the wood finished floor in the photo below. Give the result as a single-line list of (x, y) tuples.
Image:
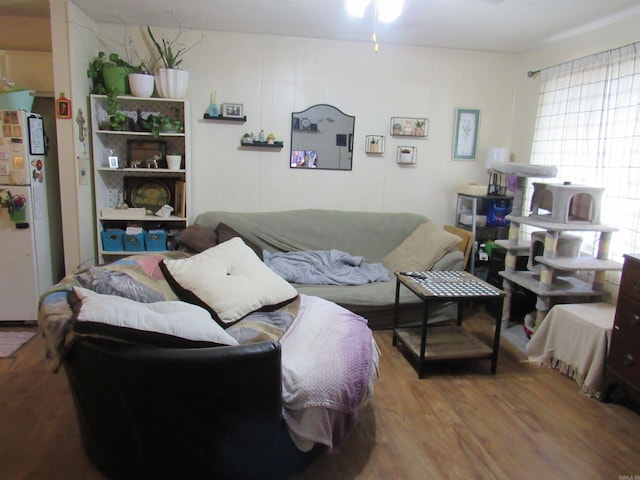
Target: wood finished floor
[(459, 422)]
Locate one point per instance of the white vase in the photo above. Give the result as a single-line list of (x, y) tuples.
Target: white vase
[(141, 84), (172, 83)]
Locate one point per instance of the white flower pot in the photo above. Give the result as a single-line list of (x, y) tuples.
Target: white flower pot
[(174, 161), (172, 83), (141, 84)]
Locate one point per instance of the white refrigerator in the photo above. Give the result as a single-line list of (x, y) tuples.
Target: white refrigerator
[(28, 227)]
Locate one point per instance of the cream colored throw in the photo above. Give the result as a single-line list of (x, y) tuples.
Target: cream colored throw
[(574, 339)]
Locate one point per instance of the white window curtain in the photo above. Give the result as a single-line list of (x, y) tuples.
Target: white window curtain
[(588, 125)]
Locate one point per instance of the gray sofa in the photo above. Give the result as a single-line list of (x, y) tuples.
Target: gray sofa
[(370, 234)]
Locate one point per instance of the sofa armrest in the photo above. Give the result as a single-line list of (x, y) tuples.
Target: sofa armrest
[(149, 412)]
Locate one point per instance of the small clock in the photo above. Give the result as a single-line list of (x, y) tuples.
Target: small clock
[(305, 123)]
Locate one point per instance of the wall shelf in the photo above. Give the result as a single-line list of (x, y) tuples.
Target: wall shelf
[(262, 145), (220, 118)]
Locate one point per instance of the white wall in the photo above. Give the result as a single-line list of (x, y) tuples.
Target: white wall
[(275, 76)]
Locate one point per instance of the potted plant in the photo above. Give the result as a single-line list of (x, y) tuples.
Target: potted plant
[(163, 123), (170, 80), (108, 74), (141, 81)]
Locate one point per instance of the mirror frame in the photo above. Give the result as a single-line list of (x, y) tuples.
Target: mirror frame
[(312, 130)]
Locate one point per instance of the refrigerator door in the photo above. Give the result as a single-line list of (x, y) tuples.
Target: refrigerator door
[(19, 290)]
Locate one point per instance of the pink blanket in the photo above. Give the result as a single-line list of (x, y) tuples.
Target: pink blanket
[(329, 364)]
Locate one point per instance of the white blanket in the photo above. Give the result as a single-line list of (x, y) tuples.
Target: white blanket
[(574, 339), (329, 366)]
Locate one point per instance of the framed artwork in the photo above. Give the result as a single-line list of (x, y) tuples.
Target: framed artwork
[(465, 138), (63, 107), (409, 127), (407, 155), (139, 151), (374, 144), (232, 110)]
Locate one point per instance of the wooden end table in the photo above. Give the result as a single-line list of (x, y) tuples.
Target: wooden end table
[(451, 341)]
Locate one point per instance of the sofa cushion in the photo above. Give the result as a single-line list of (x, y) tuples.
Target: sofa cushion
[(198, 238), (229, 280), (175, 318), (225, 233), (420, 250)]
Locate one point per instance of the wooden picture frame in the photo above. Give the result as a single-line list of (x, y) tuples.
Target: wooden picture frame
[(139, 151), (465, 138)]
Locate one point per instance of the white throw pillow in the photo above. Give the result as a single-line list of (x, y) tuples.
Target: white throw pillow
[(175, 318), (229, 280)]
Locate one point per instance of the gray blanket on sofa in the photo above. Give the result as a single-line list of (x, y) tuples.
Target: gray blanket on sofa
[(325, 267)]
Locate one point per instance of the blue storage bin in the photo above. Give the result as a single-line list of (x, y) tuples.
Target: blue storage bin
[(134, 243), (155, 240), (112, 240)]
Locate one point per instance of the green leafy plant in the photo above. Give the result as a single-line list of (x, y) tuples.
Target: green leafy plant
[(96, 70), (170, 51), (117, 120), (163, 123)]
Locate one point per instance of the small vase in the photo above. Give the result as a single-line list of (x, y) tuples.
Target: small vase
[(141, 84), (172, 83)]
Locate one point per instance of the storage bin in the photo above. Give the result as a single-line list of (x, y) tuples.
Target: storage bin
[(155, 240), (134, 243), (112, 240)]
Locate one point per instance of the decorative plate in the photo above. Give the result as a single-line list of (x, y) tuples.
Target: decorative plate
[(151, 195), (305, 123)]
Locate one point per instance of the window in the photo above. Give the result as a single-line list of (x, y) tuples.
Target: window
[(588, 125)]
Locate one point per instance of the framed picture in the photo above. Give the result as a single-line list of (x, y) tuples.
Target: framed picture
[(374, 144), (409, 127), (407, 155), (232, 110), (465, 138), (63, 107), (139, 152)]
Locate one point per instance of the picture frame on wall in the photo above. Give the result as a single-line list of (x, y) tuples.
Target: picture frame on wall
[(409, 126), (232, 110), (374, 144), (465, 137)]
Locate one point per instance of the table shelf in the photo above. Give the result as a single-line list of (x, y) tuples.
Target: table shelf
[(445, 343)]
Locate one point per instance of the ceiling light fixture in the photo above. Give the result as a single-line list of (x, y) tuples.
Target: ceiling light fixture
[(386, 11)]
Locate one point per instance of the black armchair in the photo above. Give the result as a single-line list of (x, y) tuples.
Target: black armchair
[(153, 412)]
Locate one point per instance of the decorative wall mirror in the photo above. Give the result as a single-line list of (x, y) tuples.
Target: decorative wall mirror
[(322, 138)]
